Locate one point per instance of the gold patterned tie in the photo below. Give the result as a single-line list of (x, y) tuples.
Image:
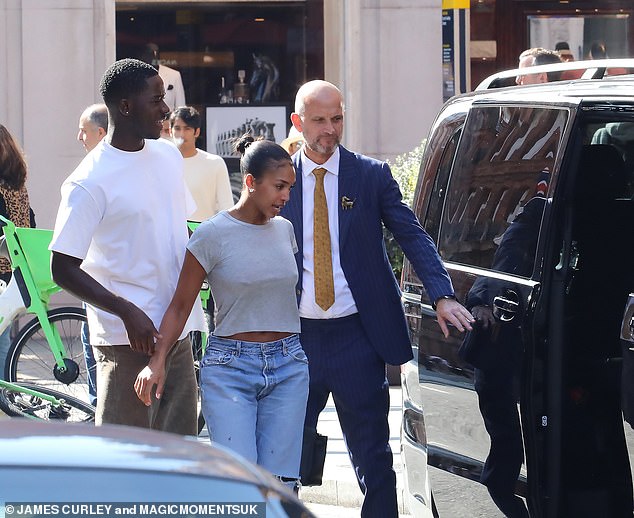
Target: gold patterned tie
[(324, 285)]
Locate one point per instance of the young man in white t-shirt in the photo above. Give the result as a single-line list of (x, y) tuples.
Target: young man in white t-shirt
[(206, 175), (119, 244)]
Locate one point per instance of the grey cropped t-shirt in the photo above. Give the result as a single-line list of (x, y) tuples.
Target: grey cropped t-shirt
[(252, 273)]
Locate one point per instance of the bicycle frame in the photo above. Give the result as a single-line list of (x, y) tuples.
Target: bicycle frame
[(31, 287), (40, 403), (24, 390)]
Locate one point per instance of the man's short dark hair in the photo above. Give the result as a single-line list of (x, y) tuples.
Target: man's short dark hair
[(548, 57), (125, 78), (188, 115)]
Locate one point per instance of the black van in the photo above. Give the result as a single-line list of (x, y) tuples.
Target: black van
[(528, 193)]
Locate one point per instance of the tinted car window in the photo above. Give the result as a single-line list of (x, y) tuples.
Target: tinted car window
[(440, 185), (439, 153), (503, 168)]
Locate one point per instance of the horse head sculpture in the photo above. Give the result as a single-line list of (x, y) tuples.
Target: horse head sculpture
[(265, 79)]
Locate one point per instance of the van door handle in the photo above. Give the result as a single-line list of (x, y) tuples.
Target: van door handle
[(505, 306), (632, 327)]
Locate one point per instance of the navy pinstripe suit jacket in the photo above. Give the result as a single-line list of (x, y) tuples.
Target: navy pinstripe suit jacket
[(376, 198)]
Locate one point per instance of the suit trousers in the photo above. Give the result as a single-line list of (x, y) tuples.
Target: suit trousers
[(117, 369), (342, 361)]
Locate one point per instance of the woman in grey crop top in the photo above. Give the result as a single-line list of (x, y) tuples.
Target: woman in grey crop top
[(254, 375)]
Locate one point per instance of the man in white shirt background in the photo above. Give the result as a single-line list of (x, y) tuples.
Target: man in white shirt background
[(206, 175), (174, 89)]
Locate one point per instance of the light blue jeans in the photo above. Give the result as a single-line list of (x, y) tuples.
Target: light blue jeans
[(254, 400)]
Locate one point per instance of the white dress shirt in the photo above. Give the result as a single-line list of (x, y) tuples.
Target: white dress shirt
[(344, 302)]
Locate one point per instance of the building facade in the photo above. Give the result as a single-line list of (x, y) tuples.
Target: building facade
[(384, 54), (394, 60)]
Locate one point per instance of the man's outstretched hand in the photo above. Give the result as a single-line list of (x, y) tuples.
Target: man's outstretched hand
[(451, 311)]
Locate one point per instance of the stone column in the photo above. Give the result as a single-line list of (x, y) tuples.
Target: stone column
[(56, 52), (386, 56)]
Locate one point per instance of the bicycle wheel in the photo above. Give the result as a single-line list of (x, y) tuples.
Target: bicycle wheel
[(19, 404), (30, 359)]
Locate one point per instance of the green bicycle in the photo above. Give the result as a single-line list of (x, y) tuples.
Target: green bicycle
[(45, 362), (47, 350)]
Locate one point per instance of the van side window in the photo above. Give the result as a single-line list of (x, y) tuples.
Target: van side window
[(619, 134), (440, 186), (504, 166)]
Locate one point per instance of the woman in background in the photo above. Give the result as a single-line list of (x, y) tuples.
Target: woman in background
[(14, 205)]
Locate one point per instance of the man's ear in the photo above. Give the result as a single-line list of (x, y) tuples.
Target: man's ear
[(124, 107), (101, 133), (197, 133), (297, 121)]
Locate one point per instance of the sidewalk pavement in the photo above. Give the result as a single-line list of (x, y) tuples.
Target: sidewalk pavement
[(339, 487)]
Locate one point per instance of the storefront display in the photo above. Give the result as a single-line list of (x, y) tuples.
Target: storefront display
[(236, 55)]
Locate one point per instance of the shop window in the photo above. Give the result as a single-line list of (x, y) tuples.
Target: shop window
[(604, 32), (229, 54)]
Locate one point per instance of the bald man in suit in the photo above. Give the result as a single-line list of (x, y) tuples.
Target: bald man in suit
[(352, 318)]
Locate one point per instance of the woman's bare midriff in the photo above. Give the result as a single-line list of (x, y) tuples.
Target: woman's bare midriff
[(258, 336)]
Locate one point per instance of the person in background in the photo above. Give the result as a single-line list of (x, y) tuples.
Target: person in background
[(174, 90), (206, 175), (566, 55), (563, 49), (497, 354), (165, 129), (93, 126), (349, 301), (598, 50), (119, 244), (254, 375), (534, 57), (14, 205)]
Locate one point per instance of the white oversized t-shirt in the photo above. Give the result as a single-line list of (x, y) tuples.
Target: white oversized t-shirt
[(124, 213)]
